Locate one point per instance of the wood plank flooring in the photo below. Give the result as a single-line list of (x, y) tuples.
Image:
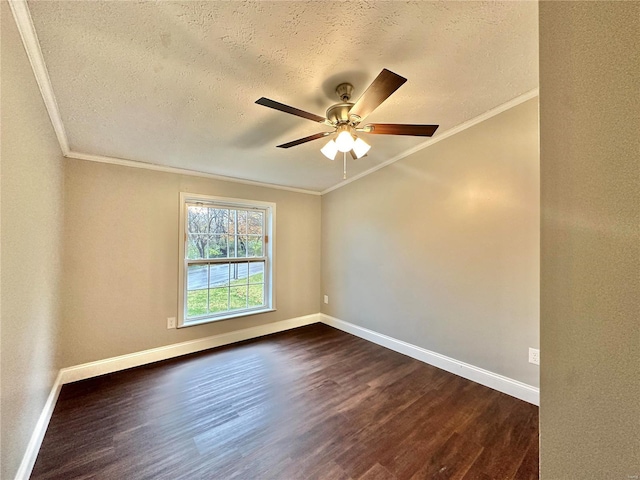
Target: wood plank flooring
[(310, 403)]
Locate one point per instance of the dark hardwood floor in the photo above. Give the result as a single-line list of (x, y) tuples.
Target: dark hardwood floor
[(310, 403)]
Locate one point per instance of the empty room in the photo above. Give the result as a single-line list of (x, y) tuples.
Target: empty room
[(293, 240)]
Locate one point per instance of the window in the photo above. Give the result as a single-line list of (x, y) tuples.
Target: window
[(226, 258)]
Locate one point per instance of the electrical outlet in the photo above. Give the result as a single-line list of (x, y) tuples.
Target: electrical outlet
[(326, 299), (171, 323), (534, 356)]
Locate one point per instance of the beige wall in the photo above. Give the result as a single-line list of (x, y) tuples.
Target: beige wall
[(441, 249), (31, 235), (590, 251), (121, 258)]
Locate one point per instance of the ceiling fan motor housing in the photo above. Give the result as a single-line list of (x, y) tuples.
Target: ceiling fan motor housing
[(339, 113)]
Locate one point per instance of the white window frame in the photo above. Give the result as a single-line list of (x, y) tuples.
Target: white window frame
[(270, 256)]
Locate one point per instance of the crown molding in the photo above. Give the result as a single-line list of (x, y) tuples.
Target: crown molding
[(27, 30), (432, 141), (446, 134), (22, 16), (23, 20), (180, 171)]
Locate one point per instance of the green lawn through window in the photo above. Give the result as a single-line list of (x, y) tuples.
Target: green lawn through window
[(239, 295)]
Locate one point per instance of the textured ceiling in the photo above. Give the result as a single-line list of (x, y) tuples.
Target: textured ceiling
[(174, 83)]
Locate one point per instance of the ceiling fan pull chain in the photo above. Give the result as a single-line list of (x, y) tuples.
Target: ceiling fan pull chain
[(344, 172)]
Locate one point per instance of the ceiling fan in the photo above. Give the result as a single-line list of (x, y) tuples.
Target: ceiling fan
[(345, 118)]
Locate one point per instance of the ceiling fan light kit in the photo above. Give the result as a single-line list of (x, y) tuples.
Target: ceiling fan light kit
[(360, 148), (345, 118), (330, 150), (344, 139)]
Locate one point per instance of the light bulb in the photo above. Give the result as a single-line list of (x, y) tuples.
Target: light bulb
[(360, 148), (344, 141), (330, 150)]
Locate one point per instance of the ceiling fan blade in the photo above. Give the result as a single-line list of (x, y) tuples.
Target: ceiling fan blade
[(304, 140), (287, 109), (380, 89), (401, 129)]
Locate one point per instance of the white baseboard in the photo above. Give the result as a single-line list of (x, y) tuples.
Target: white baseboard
[(110, 365), (92, 369), (33, 447), (479, 375), (122, 362)]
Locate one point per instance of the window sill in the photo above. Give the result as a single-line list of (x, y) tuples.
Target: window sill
[(202, 321)]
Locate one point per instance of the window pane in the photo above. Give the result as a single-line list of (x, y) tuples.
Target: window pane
[(239, 273), (197, 219), (196, 277), (196, 303), (197, 245), (242, 222), (217, 247), (256, 295), (232, 246), (255, 223), (218, 300), (238, 297), (256, 272), (218, 220), (242, 245), (254, 246), (219, 275)]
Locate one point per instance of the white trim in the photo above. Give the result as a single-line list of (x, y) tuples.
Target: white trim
[(109, 365), (180, 171), (446, 134), (230, 201), (123, 362), (29, 37), (114, 364), (432, 141), (231, 315), (484, 377), (33, 447), (22, 16), (24, 22)]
